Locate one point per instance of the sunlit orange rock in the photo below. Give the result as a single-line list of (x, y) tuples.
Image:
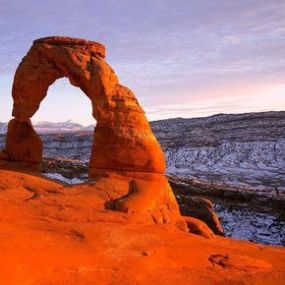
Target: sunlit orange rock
[(123, 140), (198, 227), (23, 143), (56, 234)]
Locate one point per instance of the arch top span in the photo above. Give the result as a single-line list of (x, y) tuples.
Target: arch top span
[(51, 58), (96, 47)]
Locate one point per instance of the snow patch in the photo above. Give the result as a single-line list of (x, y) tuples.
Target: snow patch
[(59, 177)]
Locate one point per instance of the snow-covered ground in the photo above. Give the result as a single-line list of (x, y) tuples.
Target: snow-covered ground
[(250, 166), (245, 151), (61, 178), (242, 222)]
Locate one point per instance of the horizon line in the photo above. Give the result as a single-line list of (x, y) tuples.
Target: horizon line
[(170, 118)]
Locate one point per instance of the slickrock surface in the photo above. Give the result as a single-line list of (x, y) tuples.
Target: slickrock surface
[(55, 234)]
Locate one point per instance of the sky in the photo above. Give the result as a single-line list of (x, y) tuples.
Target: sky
[(182, 58)]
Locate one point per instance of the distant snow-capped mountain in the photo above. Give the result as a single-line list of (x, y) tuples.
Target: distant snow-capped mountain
[(62, 127), (49, 127)]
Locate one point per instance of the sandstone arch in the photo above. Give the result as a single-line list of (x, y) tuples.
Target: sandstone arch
[(122, 140), (125, 152)]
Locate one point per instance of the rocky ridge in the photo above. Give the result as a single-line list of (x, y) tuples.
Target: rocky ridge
[(244, 151)]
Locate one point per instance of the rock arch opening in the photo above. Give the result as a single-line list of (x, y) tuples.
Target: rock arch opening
[(65, 102), (67, 135)]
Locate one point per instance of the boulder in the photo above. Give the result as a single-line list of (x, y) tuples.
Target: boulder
[(198, 227), (202, 209)]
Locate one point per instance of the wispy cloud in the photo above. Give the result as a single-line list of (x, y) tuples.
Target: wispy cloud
[(165, 50)]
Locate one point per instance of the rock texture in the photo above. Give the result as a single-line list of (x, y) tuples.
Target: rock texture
[(198, 227), (55, 234), (21, 133)]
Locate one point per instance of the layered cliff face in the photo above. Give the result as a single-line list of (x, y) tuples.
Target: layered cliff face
[(238, 161), (246, 150)]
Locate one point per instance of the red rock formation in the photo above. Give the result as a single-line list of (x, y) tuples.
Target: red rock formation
[(198, 227), (202, 209), (123, 140), (21, 133), (55, 234)]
